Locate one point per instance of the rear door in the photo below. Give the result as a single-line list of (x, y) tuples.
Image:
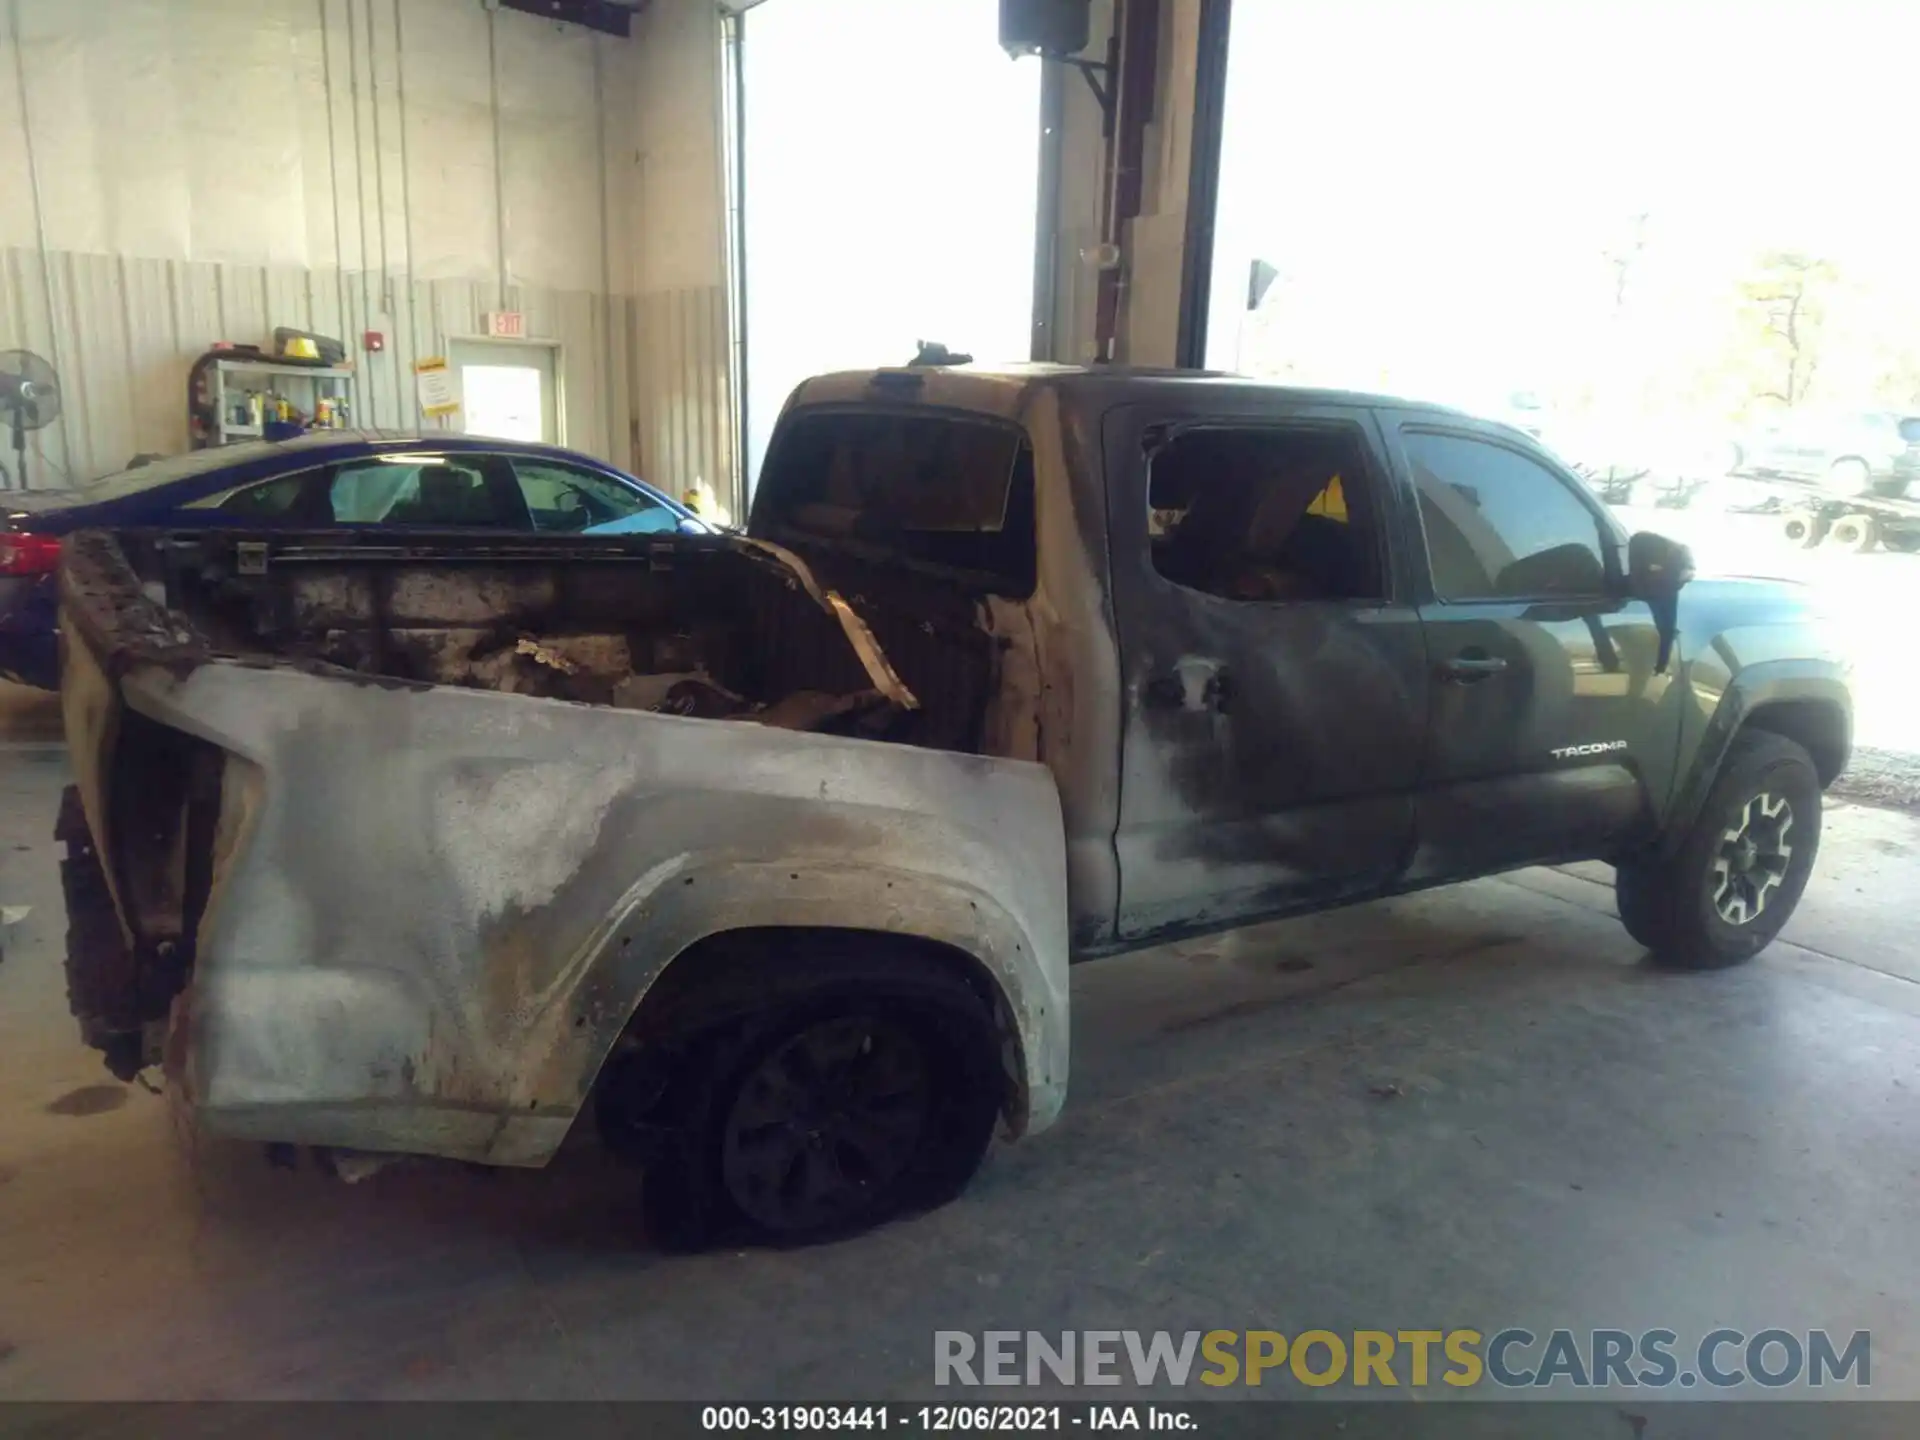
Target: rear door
[(1273, 678), (1550, 735)]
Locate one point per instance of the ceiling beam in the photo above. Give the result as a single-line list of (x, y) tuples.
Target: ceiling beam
[(609, 17)]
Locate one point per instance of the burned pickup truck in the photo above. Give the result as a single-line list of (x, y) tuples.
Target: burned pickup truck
[(772, 850)]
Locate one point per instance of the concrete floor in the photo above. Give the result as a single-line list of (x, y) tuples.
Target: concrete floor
[(1475, 1107)]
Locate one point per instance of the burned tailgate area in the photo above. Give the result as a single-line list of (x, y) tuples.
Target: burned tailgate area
[(713, 628)]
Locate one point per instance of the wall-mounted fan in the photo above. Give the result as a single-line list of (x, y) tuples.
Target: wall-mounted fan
[(29, 399)]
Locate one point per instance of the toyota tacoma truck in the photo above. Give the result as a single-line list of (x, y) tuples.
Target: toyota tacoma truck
[(772, 850)]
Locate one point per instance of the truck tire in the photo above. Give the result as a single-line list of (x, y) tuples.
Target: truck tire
[(1855, 534), (834, 1112), (1803, 528), (1733, 881), (1901, 542)]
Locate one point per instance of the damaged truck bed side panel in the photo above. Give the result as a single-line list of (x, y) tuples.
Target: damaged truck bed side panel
[(446, 904)]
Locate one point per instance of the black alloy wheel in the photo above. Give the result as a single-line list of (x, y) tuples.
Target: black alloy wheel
[(825, 1123)]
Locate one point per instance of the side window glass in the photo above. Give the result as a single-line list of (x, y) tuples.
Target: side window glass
[(1500, 525), (1266, 514), (270, 499), (436, 491), (566, 501)]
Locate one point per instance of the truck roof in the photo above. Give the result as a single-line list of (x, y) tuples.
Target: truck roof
[(1006, 389)]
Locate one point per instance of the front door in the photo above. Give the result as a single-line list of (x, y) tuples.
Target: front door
[(1275, 689), (1551, 735)]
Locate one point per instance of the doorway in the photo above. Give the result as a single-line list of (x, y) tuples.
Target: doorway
[(507, 390)]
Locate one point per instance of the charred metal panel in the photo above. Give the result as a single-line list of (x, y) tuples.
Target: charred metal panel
[(521, 869), (1074, 634), (1271, 748), (1068, 618)]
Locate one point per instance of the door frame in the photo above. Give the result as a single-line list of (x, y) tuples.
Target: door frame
[(559, 376)]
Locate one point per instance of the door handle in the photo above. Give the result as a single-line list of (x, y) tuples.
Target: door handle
[(1217, 694), (1169, 692), (1472, 666)]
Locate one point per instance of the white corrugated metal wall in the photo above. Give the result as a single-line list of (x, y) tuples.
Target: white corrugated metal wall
[(684, 423), (173, 172)]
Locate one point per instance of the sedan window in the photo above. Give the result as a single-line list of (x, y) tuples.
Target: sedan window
[(417, 490), (565, 500), (276, 499)]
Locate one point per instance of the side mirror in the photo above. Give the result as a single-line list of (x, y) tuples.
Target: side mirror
[(1657, 569), (1656, 566)]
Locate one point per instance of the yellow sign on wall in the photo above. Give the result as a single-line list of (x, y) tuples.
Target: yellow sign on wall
[(438, 393)]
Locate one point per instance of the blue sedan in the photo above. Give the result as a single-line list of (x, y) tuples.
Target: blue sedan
[(404, 483)]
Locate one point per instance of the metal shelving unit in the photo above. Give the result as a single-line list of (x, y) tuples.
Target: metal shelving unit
[(336, 378)]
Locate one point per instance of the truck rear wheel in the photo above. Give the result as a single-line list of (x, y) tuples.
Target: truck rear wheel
[(1736, 876), (831, 1113), (1803, 528), (1855, 534)]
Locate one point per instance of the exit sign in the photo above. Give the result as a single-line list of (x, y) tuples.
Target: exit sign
[(506, 325)]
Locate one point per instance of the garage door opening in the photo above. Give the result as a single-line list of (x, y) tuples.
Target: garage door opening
[(1706, 305), (890, 158)]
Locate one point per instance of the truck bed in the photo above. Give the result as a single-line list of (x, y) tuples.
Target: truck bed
[(377, 846)]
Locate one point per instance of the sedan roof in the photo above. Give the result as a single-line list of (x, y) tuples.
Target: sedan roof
[(313, 447)]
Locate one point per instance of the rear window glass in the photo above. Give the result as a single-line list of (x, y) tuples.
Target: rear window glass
[(1910, 431), (174, 467), (944, 489)]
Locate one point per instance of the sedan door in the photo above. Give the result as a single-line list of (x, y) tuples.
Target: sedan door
[(1550, 736)]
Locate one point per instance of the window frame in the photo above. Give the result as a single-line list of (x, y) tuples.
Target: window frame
[(1376, 477), (1612, 540), (767, 516)]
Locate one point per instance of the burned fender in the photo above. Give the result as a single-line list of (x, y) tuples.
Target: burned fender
[(436, 909), (686, 901)]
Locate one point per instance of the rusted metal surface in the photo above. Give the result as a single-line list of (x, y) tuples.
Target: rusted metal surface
[(859, 635), (538, 864), (102, 598)]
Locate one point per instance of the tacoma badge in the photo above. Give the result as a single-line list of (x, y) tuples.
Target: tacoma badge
[(1599, 747)]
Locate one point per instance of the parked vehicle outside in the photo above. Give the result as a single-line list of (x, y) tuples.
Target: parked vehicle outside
[(1637, 462), (398, 483), (1865, 453), (771, 851)]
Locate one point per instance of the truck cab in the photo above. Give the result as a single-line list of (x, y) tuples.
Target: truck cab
[(1288, 648)]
